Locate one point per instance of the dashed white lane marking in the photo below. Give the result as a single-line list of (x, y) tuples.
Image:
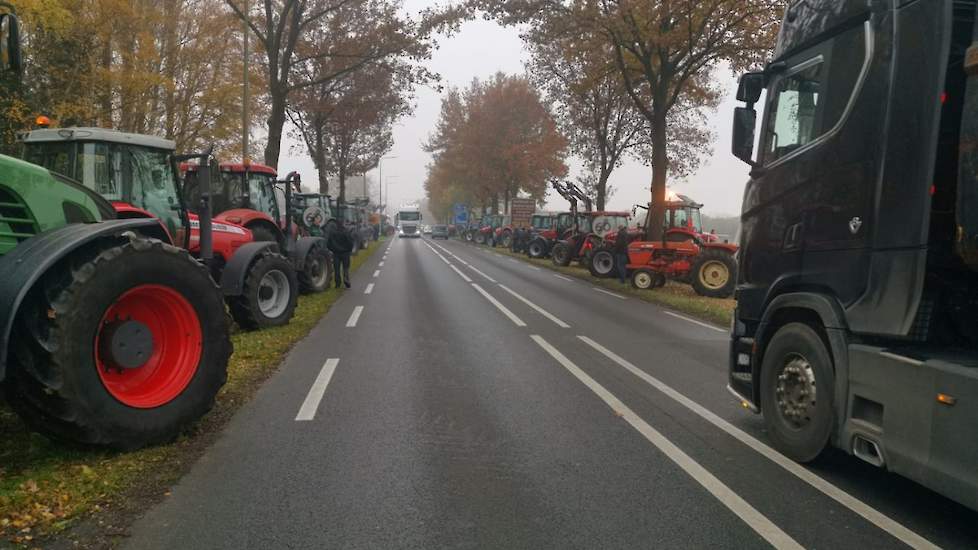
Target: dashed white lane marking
[(381, 264), (308, 409), (354, 317), (603, 291), (369, 289), (562, 277), (868, 513), (747, 513), (533, 267), (535, 307), (464, 277), (377, 273), (512, 316), (695, 322)]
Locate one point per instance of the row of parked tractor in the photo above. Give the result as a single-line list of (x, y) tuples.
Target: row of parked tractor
[(686, 253), (121, 261)]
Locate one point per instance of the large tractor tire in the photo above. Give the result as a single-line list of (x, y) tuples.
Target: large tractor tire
[(602, 264), (270, 293), (537, 248), (561, 254), (317, 271), (121, 345), (797, 385), (714, 273)]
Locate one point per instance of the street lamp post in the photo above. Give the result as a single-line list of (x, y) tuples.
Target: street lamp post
[(380, 177)]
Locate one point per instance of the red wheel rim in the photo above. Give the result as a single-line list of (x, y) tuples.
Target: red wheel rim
[(176, 347)]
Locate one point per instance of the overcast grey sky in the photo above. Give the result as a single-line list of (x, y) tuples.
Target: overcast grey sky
[(478, 51)]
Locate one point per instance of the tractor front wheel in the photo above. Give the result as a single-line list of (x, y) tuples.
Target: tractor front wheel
[(270, 293), (714, 273), (561, 254), (120, 345), (602, 263), (645, 279), (537, 248), (507, 240), (317, 271)]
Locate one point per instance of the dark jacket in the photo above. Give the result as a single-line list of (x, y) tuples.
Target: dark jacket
[(621, 242), (340, 241)]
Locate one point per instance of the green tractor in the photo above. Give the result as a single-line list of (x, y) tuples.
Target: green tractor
[(110, 335)]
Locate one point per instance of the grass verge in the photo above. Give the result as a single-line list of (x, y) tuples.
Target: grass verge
[(46, 486), (677, 296)]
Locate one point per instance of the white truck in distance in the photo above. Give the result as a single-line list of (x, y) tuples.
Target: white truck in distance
[(409, 221)]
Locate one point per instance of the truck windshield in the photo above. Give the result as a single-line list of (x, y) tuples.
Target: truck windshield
[(409, 216)]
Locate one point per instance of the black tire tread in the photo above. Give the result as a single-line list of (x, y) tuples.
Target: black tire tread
[(712, 254), (243, 311)]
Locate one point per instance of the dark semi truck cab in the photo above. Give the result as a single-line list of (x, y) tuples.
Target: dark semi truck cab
[(857, 301)]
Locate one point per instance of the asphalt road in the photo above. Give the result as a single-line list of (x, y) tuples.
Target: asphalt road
[(463, 399)]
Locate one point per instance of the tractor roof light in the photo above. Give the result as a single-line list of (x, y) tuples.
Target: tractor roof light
[(42, 121)]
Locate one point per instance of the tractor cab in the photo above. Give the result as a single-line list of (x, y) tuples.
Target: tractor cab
[(133, 172), (604, 223)]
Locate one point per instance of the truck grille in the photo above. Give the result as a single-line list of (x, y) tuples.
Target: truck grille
[(410, 229), (16, 222)]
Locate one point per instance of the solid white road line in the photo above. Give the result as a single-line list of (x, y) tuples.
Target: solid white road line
[(603, 291), (464, 277), (535, 307), (747, 513), (369, 289), (868, 513), (562, 277), (695, 322), (376, 273), (308, 409), (354, 317), (512, 316)]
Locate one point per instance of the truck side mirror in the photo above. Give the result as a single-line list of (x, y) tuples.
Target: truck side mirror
[(750, 88), (10, 55), (743, 134)]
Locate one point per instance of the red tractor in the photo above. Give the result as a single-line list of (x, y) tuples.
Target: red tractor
[(586, 228), (139, 175), (686, 254), (249, 195), (489, 227)]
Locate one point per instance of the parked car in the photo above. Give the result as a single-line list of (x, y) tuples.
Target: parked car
[(439, 232)]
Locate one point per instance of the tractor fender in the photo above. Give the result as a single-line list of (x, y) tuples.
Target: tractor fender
[(730, 248), (23, 266), (302, 248), (236, 269)]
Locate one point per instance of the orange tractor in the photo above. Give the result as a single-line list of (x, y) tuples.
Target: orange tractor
[(685, 254)]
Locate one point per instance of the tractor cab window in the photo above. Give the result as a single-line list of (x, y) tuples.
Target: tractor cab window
[(152, 187), (261, 194), (606, 224), (794, 110), (57, 157), (541, 222)]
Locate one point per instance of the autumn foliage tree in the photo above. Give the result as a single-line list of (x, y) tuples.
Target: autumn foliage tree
[(347, 125), (666, 53), (495, 140), (165, 67), (591, 105)]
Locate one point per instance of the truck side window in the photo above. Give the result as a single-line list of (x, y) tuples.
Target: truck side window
[(795, 112)]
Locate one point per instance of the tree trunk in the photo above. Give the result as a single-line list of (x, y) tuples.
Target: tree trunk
[(319, 157), (105, 96), (660, 168), (602, 189), (342, 182), (276, 122)]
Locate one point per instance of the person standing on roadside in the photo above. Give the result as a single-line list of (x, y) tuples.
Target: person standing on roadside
[(620, 250), (340, 243)]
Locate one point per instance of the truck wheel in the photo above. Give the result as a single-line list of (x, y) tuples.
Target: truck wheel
[(317, 271), (602, 263), (644, 279), (479, 238), (797, 385), (536, 249), (561, 254), (120, 346), (269, 296), (714, 273)]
